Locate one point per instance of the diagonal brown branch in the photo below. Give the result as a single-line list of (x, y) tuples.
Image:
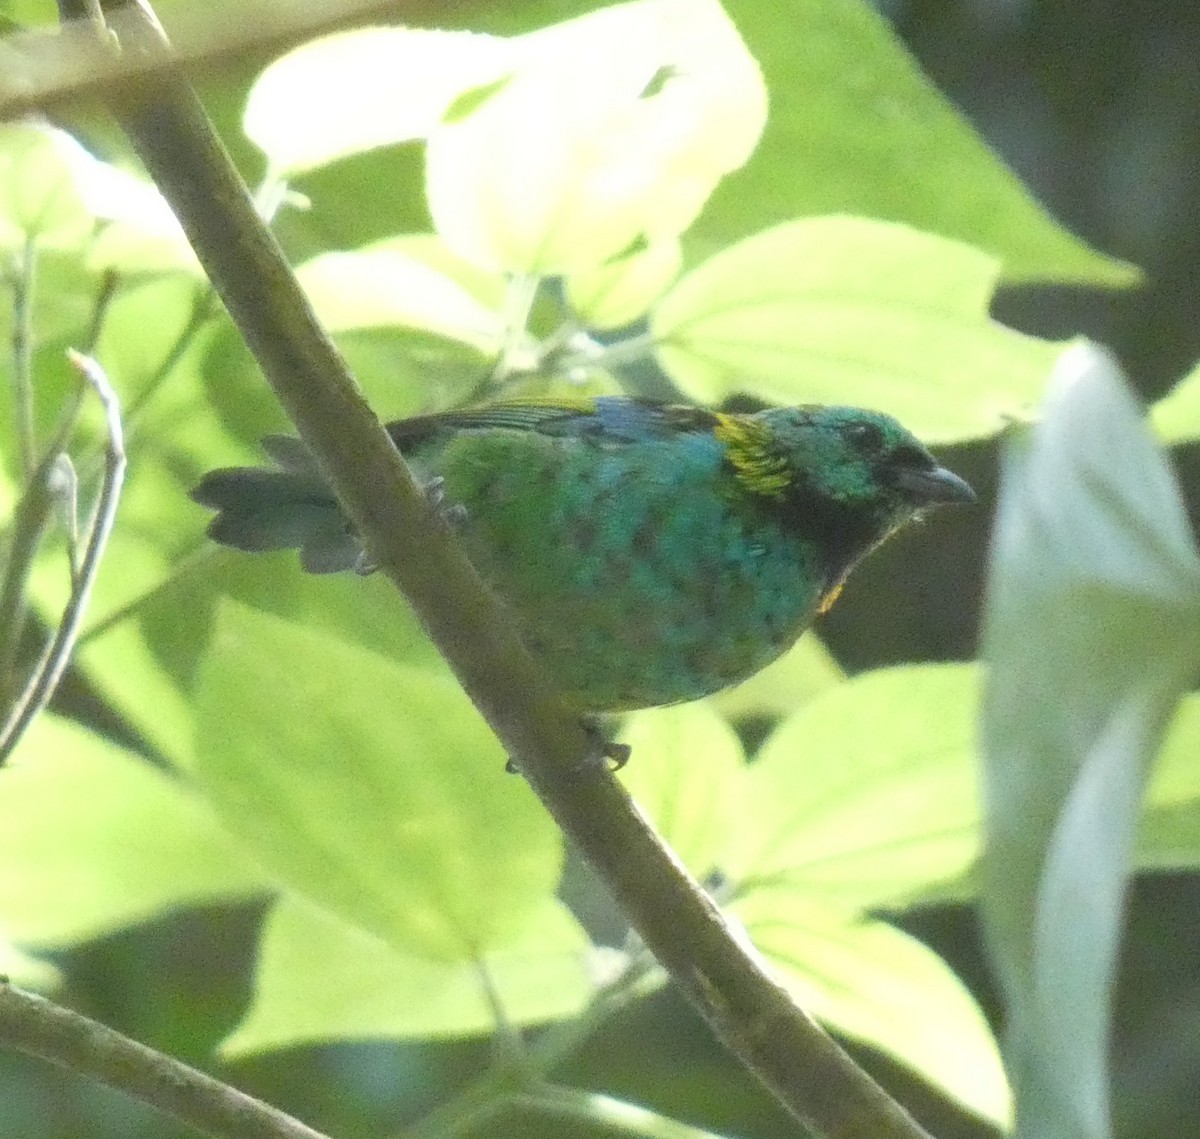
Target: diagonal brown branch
[(34, 1025), (747, 1009)]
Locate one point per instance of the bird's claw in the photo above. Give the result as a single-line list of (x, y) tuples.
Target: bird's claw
[(603, 750), (454, 514)]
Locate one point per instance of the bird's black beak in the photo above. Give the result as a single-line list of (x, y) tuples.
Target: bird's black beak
[(933, 487)]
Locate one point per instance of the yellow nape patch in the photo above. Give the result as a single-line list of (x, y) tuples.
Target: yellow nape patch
[(748, 445)]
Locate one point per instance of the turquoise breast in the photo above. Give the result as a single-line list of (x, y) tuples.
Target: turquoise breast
[(639, 576)]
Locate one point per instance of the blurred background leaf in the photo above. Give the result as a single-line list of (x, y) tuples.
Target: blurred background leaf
[(1092, 636)]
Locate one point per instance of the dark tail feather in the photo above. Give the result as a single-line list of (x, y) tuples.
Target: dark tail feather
[(260, 509)]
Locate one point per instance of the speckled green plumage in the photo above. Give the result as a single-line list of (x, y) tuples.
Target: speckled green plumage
[(648, 554)]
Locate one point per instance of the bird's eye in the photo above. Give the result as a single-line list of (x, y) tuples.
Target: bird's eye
[(865, 435)]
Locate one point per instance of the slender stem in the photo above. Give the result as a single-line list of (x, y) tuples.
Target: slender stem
[(593, 1109), (750, 1011), (109, 284), (24, 284), (499, 1082), (36, 1026), (518, 304), (46, 675), (30, 519), (591, 354)]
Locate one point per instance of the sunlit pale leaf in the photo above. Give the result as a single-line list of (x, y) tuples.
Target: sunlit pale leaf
[(866, 795), (351, 92), (373, 789), (857, 127), (614, 130), (321, 979), (1169, 833), (93, 838), (852, 311), (1092, 634), (687, 778), (870, 981), (619, 292), (54, 191), (383, 286), (41, 196), (1176, 417)]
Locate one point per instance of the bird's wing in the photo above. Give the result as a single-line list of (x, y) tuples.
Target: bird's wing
[(608, 418)]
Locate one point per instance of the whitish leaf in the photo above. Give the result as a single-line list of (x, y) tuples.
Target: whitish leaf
[(613, 131), (878, 985), (353, 91), (40, 192), (384, 286), (1092, 634)]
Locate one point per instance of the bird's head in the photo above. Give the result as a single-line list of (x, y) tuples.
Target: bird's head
[(842, 475)]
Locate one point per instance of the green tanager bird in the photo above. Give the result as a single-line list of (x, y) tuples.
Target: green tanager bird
[(648, 553)]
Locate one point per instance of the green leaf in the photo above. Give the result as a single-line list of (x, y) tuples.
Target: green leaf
[(866, 796), (53, 190), (859, 129), (846, 310), (320, 978), (1176, 417), (588, 150), (374, 790), (1169, 833), (40, 192), (354, 91), (93, 839), (1092, 634), (687, 778), (880, 986)]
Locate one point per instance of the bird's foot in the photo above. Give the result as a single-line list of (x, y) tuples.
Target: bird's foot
[(453, 514), (606, 750), (603, 751)]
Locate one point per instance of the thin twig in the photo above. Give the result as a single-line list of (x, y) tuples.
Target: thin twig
[(41, 685), (595, 1110), (30, 518), (548, 1050), (751, 1012), (38, 1027), (24, 284)]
